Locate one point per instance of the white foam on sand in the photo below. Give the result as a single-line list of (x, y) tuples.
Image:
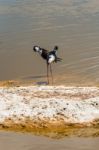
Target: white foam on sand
[(71, 104)]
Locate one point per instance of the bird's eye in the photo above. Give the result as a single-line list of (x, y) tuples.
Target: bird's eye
[(34, 48)]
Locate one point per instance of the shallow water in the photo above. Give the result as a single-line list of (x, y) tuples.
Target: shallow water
[(73, 25), (18, 141)]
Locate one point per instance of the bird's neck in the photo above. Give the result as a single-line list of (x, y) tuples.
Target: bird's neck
[(40, 51)]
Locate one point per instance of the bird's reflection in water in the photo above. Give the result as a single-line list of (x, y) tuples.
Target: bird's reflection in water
[(34, 77), (37, 79), (42, 83)]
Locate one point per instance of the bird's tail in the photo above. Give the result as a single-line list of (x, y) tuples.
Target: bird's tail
[(58, 59)]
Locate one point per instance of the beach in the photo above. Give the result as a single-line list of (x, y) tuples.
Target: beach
[(49, 109)]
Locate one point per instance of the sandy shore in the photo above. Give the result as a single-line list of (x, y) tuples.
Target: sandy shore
[(48, 108)]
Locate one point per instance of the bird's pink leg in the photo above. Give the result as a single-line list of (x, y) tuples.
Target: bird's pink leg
[(47, 73), (51, 73)]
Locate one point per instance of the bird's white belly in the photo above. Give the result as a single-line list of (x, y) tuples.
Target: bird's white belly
[(51, 59)]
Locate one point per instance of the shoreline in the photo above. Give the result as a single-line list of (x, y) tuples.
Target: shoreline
[(46, 109)]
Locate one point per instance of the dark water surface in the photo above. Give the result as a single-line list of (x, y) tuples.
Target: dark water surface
[(18, 141), (73, 25)]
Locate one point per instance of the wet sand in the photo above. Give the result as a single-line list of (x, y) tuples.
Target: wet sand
[(19, 141)]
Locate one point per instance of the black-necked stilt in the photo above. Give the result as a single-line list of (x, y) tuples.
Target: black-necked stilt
[(49, 56)]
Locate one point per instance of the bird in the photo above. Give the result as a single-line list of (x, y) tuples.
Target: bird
[(50, 57)]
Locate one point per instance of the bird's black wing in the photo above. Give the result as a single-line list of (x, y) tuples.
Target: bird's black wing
[(44, 53)]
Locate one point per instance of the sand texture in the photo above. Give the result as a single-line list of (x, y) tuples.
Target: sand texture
[(48, 106)]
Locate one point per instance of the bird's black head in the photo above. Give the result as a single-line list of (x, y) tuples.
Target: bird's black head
[(36, 48), (56, 48)]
